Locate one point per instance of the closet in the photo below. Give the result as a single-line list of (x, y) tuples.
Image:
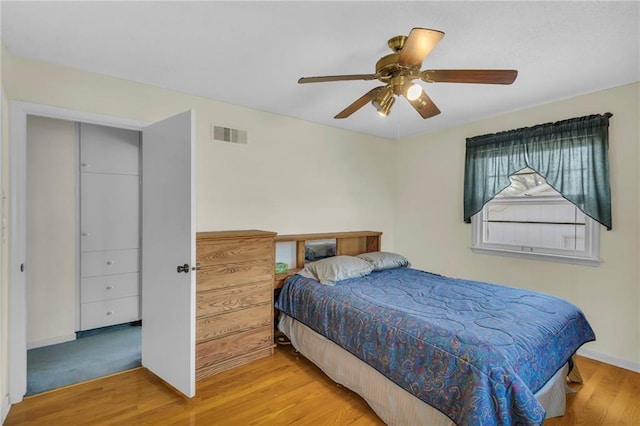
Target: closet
[(109, 226), (83, 228)]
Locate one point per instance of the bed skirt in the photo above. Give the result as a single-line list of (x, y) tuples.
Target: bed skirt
[(394, 405)]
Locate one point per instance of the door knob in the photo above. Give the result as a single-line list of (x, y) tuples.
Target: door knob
[(183, 268)]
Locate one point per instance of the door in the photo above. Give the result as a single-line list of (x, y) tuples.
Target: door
[(168, 242)]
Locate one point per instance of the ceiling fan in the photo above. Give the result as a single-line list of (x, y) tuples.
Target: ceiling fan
[(400, 68)]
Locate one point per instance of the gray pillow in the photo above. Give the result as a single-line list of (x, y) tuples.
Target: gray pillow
[(332, 269), (381, 260)]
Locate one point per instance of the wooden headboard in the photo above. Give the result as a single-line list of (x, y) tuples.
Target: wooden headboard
[(347, 244)]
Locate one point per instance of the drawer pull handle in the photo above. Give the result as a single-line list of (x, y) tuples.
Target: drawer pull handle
[(109, 312), (109, 287), (109, 262), (85, 234), (85, 165)]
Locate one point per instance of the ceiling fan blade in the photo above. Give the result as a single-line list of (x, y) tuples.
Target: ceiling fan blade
[(469, 76), (419, 44), (359, 103), (425, 106), (337, 78)]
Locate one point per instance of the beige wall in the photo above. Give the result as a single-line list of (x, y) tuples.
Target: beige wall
[(51, 231), (291, 177), (431, 232)]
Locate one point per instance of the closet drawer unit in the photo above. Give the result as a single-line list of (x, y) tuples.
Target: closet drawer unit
[(93, 289), (109, 262), (232, 299), (109, 312), (217, 326), (233, 274), (222, 252), (234, 345)]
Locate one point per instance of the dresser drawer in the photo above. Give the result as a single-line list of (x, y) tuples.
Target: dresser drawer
[(233, 298), (212, 277), (109, 312), (109, 262), (234, 345), (216, 326), (106, 287), (212, 252)]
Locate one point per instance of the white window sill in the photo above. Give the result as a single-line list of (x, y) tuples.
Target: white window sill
[(538, 256)]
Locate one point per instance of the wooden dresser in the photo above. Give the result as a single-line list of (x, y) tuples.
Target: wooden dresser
[(234, 299)]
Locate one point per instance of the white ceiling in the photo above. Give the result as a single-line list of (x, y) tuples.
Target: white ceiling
[(252, 53)]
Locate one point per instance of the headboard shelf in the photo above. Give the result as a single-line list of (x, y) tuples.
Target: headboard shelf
[(347, 243), (329, 235)]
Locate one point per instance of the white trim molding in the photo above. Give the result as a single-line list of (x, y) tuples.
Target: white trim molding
[(17, 333), (4, 409), (609, 359), (52, 341), (28, 108), (4, 404)]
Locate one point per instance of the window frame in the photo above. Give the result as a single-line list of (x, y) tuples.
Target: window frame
[(590, 256)]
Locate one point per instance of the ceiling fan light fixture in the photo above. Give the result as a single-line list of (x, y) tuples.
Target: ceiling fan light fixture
[(385, 109), (382, 98), (412, 91)]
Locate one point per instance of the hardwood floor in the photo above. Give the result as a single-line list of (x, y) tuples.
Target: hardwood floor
[(285, 389), (609, 396)]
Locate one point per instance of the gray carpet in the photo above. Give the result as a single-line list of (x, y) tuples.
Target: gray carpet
[(95, 354)]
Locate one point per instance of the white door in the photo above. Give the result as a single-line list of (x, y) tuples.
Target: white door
[(168, 241)]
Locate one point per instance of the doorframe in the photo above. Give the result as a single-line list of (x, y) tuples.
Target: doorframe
[(4, 397), (17, 303)]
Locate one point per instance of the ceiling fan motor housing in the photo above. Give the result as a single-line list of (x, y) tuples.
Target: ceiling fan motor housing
[(395, 75), (388, 67)]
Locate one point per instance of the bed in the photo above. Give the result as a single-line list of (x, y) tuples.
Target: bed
[(422, 348)]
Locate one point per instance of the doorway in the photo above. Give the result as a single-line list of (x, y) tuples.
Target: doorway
[(82, 245), (168, 342)]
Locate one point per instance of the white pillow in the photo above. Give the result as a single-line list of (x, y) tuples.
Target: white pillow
[(337, 268), (381, 260)]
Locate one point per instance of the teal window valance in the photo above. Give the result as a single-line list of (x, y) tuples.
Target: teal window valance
[(572, 156)]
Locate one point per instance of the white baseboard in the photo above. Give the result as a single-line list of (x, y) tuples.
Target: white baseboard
[(52, 341), (609, 359), (4, 409)]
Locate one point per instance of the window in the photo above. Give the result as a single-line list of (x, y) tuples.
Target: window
[(540, 191), (530, 219)]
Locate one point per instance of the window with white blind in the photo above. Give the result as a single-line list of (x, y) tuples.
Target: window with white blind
[(530, 219)]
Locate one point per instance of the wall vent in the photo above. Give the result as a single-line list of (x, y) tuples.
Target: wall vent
[(226, 134)]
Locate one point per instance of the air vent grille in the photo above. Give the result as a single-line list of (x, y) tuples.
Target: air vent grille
[(226, 134)]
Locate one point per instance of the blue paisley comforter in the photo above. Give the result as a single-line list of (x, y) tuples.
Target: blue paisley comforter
[(475, 351)]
